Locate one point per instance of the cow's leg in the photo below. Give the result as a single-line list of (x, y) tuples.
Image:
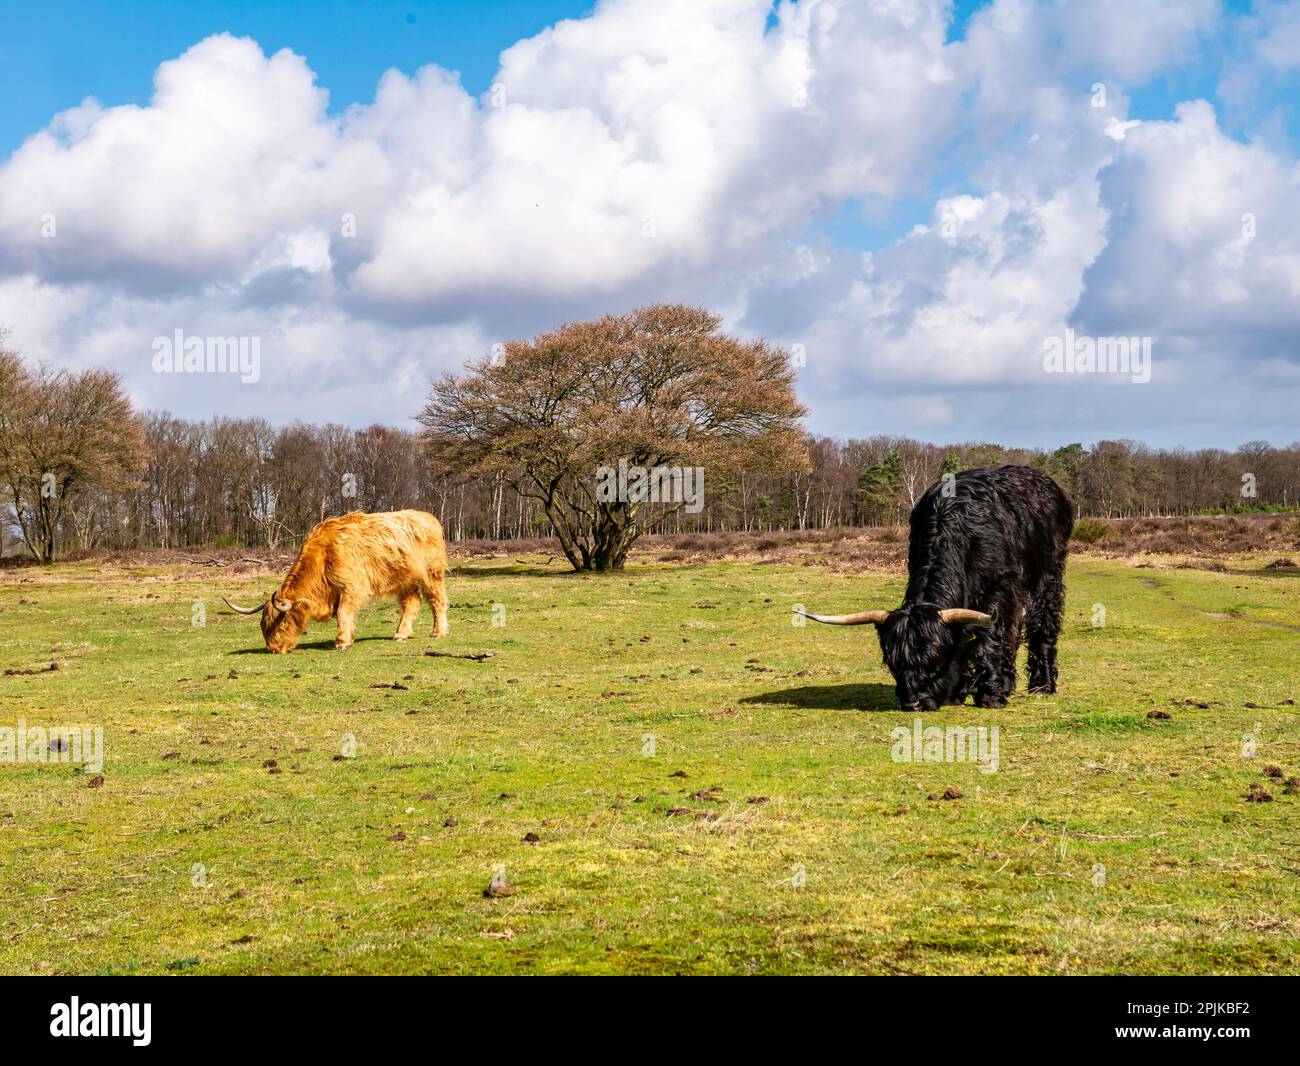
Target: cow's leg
[(995, 656), (1014, 630), (966, 680), (410, 601), (990, 673), (1042, 627), (347, 616), (435, 590)]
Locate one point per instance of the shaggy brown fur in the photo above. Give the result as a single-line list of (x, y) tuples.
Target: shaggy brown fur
[(348, 560)]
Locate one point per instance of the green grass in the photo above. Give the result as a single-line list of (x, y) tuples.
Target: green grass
[(549, 736)]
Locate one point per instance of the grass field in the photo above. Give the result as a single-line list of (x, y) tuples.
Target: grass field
[(708, 788)]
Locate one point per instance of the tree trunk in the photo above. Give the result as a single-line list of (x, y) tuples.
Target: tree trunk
[(613, 536)]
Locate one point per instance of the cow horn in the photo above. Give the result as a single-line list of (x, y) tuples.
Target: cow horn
[(862, 618), (281, 605), (244, 610), (956, 616)]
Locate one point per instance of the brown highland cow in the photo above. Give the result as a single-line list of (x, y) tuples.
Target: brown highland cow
[(348, 560)]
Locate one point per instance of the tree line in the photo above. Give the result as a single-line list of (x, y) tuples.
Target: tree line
[(79, 469)]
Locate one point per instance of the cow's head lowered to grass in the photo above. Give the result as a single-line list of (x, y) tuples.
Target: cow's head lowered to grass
[(281, 625), (922, 646)]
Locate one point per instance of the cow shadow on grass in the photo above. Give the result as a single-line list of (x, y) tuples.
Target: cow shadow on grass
[(306, 645), (874, 697)]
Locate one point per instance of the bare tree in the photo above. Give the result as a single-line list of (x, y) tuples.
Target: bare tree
[(64, 436), (659, 388)]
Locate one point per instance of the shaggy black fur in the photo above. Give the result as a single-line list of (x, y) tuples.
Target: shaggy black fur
[(997, 545)]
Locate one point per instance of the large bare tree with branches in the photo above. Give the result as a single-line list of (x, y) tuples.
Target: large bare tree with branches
[(64, 438), (660, 389)]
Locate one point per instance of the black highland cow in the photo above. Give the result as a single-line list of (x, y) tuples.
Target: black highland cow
[(983, 560)]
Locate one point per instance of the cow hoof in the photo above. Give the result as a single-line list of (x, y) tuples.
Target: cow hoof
[(401, 636), (342, 647)]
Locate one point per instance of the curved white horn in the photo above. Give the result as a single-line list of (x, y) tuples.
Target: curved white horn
[(281, 605), (862, 618), (953, 616), (245, 610)]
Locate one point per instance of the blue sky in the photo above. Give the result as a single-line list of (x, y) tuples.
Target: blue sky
[(54, 53), (918, 195)]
